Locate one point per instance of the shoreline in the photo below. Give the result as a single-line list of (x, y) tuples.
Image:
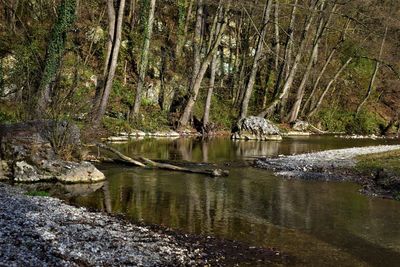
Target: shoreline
[(332, 165), (47, 231)]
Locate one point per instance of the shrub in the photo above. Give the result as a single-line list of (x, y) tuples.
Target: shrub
[(350, 122)]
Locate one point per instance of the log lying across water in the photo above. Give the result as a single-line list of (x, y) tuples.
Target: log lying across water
[(148, 163)]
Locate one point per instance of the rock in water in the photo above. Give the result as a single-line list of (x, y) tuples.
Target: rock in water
[(256, 128)]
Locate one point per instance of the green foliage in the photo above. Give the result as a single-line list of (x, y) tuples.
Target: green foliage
[(116, 125), (56, 47), (7, 117), (361, 65), (221, 113), (151, 119), (181, 19), (38, 193), (349, 122)]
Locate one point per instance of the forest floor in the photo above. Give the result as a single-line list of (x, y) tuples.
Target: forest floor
[(374, 167), (44, 231)]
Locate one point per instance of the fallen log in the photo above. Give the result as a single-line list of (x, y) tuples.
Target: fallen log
[(148, 163)]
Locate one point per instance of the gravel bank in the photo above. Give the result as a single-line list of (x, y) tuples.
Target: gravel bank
[(43, 231), (319, 165)]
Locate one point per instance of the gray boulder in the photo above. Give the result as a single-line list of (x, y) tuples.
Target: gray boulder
[(301, 126), (256, 128), (62, 171)]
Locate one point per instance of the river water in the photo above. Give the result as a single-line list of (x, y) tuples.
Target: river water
[(318, 223)]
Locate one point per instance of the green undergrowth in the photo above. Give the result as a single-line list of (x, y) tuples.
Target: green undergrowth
[(344, 121), (389, 161)]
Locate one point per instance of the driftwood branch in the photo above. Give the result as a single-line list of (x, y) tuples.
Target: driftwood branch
[(148, 163)]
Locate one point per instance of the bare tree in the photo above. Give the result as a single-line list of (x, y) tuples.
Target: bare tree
[(114, 42), (326, 90), (373, 77), (144, 58), (293, 70), (294, 112), (198, 77), (257, 56)]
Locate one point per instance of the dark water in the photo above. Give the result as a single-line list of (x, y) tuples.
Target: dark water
[(320, 223)]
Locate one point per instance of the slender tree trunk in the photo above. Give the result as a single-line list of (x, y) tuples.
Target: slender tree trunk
[(293, 70), (213, 68), (111, 34), (277, 37), (373, 77), (144, 58), (294, 112), (206, 116), (257, 57), (342, 38), (163, 67), (287, 54), (196, 84), (321, 98), (112, 60), (55, 52)]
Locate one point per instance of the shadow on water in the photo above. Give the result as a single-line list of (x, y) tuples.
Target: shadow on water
[(319, 223)]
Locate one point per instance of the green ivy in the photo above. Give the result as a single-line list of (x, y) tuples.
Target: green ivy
[(56, 46)]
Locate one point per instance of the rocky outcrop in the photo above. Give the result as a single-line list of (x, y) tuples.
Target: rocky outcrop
[(29, 153), (62, 171), (256, 128)]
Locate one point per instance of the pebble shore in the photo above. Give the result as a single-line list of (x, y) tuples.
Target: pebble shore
[(43, 231)]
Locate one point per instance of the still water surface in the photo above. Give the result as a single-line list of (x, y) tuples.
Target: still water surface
[(319, 223)]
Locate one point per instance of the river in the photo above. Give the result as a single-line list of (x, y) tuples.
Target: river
[(318, 223)]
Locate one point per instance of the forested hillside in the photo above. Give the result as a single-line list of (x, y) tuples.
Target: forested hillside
[(153, 64)]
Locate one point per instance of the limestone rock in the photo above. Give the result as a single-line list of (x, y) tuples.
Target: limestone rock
[(83, 172), (63, 171), (24, 172), (256, 128), (301, 126)]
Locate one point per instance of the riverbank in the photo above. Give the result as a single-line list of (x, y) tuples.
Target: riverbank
[(351, 164), (38, 231)]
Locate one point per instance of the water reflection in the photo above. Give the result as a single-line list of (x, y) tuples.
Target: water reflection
[(320, 223)]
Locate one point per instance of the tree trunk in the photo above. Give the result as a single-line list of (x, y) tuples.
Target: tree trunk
[(294, 112), (112, 60), (277, 37), (196, 84), (287, 54), (257, 57), (342, 38), (144, 58), (373, 77), (111, 34), (54, 54), (206, 116), (321, 98), (293, 70)]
